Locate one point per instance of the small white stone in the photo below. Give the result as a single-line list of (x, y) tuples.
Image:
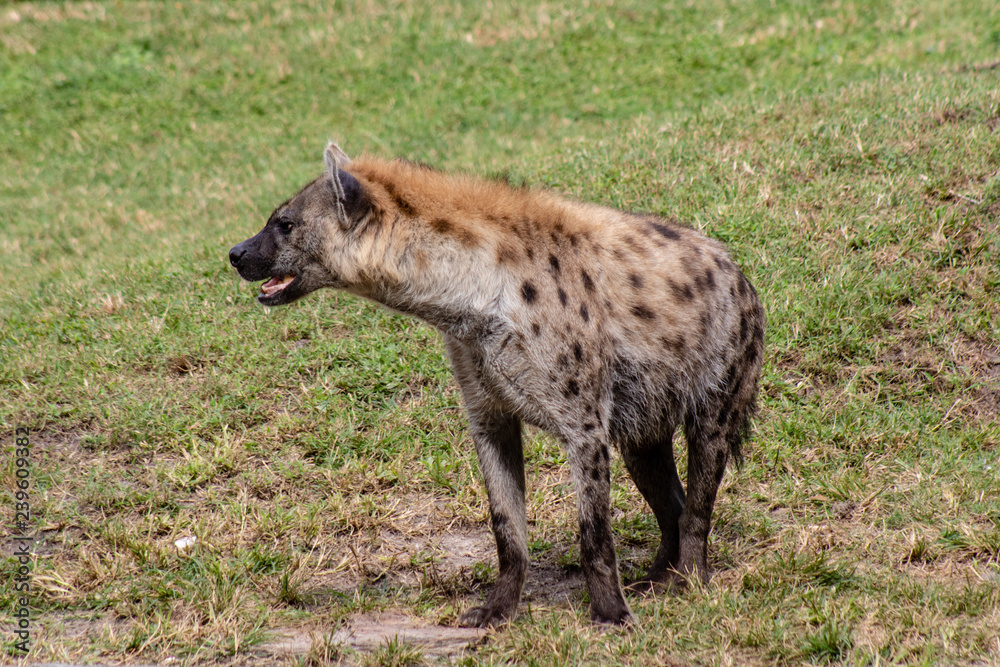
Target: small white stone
[(186, 542)]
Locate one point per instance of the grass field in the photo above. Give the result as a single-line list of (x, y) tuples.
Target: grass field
[(847, 152)]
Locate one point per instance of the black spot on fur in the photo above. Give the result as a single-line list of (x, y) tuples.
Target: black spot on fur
[(554, 263), (528, 292), (709, 279), (636, 280), (724, 414), (562, 361), (562, 297), (577, 351), (588, 284), (535, 329), (667, 232), (744, 327), (642, 312), (720, 466), (506, 254), (572, 388), (590, 532), (530, 253), (636, 246), (691, 267), (675, 343), (441, 225), (588, 427), (730, 376), (735, 341), (573, 240), (725, 409), (404, 205), (681, 292), (584, 313), (595, 474)]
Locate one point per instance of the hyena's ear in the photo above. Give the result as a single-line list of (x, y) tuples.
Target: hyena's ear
[(352, 202), (335, 157)]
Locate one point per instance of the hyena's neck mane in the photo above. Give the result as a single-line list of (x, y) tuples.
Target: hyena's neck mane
[(447, 248)]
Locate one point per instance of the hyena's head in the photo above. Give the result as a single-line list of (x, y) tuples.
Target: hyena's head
[(295, 251)]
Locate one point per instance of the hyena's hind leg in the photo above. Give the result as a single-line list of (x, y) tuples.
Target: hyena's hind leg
[(651, 466), (708, 453)]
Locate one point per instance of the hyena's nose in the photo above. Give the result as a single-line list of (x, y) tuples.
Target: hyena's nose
[(236, 254)]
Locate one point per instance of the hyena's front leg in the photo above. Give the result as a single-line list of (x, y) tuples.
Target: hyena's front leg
[(592, 477), (497, 436), (498, 444)]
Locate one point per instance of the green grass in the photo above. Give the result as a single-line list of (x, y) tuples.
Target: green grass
[(848, 154)]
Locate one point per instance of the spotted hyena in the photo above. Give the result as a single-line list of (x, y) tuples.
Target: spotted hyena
[(602, 327)]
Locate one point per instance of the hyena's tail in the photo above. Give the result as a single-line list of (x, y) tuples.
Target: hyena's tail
[(743, 376)]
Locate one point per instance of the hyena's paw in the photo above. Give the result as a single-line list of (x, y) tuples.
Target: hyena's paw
[(485, 617), (622, 617), (643, 587), (670, 582)]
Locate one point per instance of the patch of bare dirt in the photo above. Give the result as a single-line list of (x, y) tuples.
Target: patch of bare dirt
[(446, 562), (369, 632), (913, 354), (984, 363), (989, 117)]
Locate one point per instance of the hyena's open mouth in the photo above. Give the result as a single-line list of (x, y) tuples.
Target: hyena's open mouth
[(271, 292)]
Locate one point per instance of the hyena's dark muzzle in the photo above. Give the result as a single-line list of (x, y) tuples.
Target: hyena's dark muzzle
[(254, 259), (248, 261)]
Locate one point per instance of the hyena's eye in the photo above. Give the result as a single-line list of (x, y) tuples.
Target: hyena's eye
[(285, 225)]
